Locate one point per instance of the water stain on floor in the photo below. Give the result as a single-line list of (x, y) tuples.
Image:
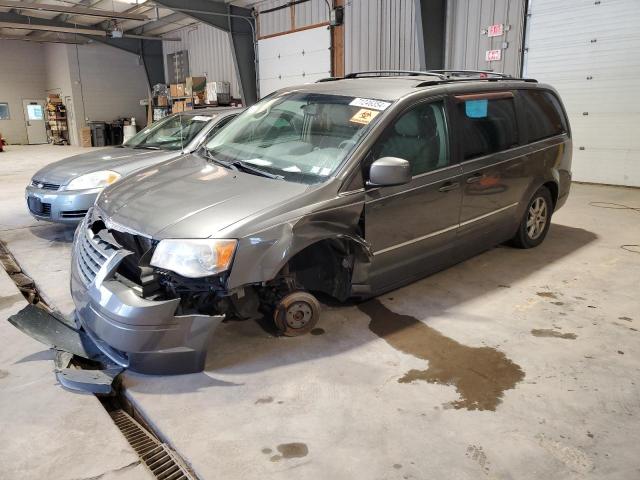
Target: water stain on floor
[(480, 374), (547, 332), (264, 400), (290, 450)]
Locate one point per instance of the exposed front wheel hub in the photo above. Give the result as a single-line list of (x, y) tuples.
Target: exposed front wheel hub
[(297, 313)]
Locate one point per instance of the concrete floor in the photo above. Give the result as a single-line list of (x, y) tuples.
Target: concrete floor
[(514, 364)]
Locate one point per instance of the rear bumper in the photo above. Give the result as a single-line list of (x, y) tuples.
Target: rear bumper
[(62, 206), (142, 335)]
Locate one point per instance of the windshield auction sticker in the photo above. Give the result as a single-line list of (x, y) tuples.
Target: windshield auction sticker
[(370, 103), (364, 116)]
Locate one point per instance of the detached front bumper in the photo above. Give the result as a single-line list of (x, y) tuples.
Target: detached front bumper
[(142, 335), (60, 206)]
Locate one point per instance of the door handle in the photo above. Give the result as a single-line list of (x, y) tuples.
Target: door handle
[(448, 186), (476, 177)]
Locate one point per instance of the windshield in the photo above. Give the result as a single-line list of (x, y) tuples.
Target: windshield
[(301, 137), (171, 133)]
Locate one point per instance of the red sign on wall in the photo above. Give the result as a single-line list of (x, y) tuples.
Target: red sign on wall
[(495, 30)]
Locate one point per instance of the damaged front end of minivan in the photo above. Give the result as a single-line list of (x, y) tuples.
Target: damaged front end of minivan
[(154, 320)]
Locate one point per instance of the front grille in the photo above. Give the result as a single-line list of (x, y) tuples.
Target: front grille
[(73, 213), (45, 185), (38, 208), (91, 253)]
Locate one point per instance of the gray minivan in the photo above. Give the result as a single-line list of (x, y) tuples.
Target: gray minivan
[(346, 187)]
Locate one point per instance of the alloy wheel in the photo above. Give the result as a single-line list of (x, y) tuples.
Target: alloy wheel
[(537, 218)]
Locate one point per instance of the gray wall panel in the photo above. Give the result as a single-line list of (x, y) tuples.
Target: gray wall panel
[(273, 22), (382, 34), (466, 45)]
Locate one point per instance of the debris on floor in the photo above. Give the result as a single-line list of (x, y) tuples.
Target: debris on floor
[(79, 364)]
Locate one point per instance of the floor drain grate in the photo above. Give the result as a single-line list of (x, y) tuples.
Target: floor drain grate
[(157, 456)]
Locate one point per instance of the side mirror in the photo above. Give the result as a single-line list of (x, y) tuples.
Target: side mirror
[(389, 171)]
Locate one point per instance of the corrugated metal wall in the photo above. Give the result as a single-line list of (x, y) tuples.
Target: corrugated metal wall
[(379, 34), (309, 13), (466, 44), (383, 35), (210, 53)]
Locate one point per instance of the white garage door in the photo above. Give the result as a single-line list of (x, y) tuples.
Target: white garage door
[(294, 58), (590, 51)]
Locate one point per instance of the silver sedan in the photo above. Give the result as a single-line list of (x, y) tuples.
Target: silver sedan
[(63, 191)]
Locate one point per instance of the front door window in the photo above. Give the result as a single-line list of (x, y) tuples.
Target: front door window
[(419, 136)]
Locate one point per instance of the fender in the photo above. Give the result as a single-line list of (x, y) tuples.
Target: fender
[(260, 257)]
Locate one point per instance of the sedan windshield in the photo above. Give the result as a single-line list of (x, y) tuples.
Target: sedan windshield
[(171, 133), (300, 137)]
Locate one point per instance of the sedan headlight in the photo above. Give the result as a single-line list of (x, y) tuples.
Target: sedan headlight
[(99, 179), (194, 258)]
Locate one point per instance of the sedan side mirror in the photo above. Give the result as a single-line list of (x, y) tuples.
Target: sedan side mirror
[(389, 171)]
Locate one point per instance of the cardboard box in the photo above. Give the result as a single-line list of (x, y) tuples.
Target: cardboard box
[(188, 104), (177, 90), (162, 101), (195, 85), (85, 136), (177, 107)]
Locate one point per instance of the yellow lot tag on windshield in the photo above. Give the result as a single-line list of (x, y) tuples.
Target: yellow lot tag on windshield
[(364, 116)]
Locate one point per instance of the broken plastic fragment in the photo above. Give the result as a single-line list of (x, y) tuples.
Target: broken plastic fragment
[(53, 332)]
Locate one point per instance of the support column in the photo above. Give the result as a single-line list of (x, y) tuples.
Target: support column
[(337, 46), (434, 18)]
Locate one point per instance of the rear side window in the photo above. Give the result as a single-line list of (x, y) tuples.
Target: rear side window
[(543, 115), (488, 123)]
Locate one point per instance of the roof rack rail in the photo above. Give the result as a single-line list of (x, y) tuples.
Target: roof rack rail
[(394, 72), (466, 73), (443, 76), (428, 83)]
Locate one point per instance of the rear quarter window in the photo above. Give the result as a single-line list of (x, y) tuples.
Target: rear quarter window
[(543, 116), (487, 123)]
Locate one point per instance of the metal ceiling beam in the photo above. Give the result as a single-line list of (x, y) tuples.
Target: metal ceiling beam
[(73, 10), (26, 38), (50, 28), (150, 51), (240, 25)]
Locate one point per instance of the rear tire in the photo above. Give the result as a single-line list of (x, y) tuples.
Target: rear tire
[(536, 220), (296, 314)]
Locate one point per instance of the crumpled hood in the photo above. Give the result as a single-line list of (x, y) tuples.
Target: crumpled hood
[(190, 197), (122, 160)]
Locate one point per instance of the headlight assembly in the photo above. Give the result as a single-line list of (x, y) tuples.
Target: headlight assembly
[(99, 179), (194, 258)]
